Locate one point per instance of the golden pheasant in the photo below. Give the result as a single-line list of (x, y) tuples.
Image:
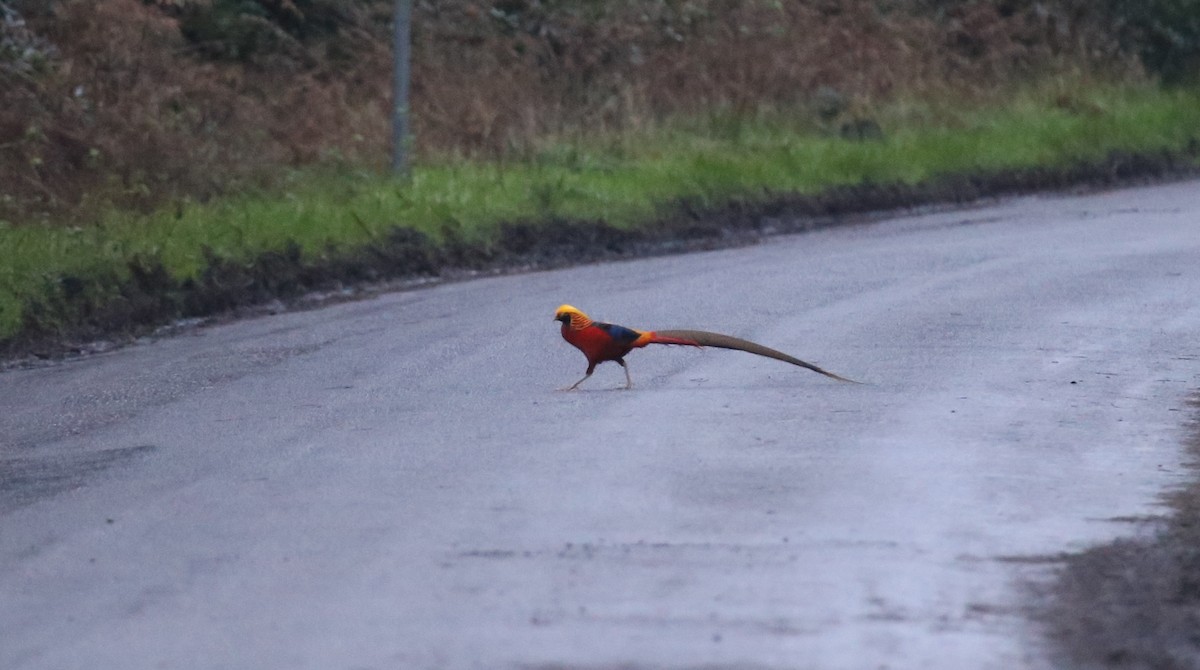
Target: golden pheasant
[(602, 342)]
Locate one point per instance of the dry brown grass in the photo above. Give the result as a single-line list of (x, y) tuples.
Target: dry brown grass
[(133, 114)]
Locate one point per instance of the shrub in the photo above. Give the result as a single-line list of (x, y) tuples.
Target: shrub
[(1164, 33), (22, 52), (245, 30), (157, 100)]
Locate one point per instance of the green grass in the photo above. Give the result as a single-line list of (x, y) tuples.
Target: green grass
[(625, 180)]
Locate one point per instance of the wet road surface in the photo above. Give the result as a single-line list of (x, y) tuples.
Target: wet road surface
[(395, 483)]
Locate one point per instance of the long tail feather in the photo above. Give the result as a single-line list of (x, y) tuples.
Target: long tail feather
[(707, 339), (657, 337)]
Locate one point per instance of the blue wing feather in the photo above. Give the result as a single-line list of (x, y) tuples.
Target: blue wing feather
[(619, 334)]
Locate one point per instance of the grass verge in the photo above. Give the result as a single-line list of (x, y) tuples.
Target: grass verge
[(577, 199)]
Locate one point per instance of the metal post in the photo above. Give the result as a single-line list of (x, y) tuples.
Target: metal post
[(402, 57)]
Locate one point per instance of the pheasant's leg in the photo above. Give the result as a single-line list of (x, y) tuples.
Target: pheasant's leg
[(628, 379), (572, 387)]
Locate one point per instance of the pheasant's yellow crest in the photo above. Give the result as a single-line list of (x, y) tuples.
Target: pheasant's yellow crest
[(569, 314)]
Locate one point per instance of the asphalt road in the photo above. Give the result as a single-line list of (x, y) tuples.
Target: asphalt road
[(395, 483)]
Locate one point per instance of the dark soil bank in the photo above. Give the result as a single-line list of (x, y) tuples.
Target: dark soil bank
[(1134, 603), (84, 309)]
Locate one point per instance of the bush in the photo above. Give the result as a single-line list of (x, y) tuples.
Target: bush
[(21, 50), (247, 29), (1164, 33), (149, 101)]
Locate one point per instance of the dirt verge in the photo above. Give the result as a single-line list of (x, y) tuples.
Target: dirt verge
[(110, 309), (1134, 603)]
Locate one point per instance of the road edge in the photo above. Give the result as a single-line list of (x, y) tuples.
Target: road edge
[(1133, 603), (93, 314)]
